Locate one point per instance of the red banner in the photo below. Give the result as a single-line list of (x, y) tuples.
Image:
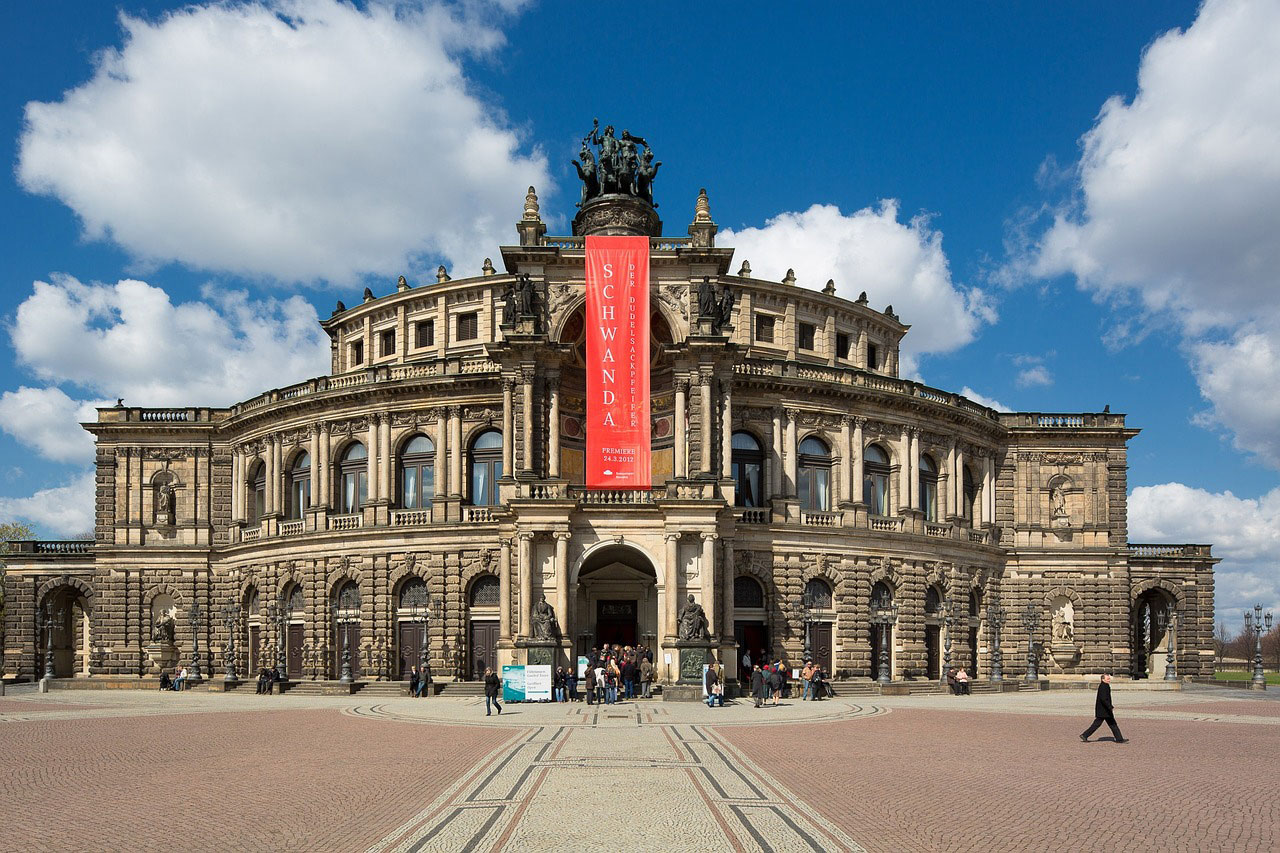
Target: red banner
[(618, 363)]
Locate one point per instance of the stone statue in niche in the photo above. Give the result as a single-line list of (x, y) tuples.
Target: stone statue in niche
[(163, 629), (693, 621), (509, 305), (544, 621), (1062, 623), (1057, 502), (164, 501)]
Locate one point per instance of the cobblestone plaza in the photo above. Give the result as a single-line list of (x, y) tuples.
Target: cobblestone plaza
[(141, 770)]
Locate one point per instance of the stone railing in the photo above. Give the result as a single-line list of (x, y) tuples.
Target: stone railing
[(942, 531), (478, 514), (979, 536), (1062, 420), (754, 516), (353, 521), (544, 491), (883, 523), (686, 490), (164, 415), (292, 528), (479, 365), (351, 380), (406, 517), (250, 534), (820, 519), (1145, 550), (413, 371), (613, 497), (50, 546), (656, 244)]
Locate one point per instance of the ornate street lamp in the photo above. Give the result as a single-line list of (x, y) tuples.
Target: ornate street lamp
[(885, 616), (1171, 660), (429, 609), (995, 621), (1031, 621), (277, 613), (230, 620), (802, 612), (1259, 677), (51, 621), (948, 622), (196, 615), (345, 675)]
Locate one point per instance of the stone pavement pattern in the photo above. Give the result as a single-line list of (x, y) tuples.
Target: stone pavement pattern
[(115, 770)]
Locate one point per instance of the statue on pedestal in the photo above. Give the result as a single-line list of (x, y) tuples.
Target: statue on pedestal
[(692, 622), (544, 626)]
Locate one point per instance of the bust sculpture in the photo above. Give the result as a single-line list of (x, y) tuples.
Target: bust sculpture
[(693, 621)]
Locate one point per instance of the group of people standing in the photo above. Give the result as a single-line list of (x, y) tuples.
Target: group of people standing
[(419, 681), (614, 673), (958, 681)]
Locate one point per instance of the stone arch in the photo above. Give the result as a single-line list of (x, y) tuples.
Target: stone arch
[(162, 589), (250, 581), (54, 584), (287, 578), (822, 569), (1136, 590), (406, 568), (475, 568), (888, 572), (344, 571), (939, 575), (620, 541), (678, 325)]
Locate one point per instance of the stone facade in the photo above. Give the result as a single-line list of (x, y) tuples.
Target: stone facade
[(801, 490)]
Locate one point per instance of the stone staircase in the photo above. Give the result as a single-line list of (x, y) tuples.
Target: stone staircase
[(384, 689), (459, 689)]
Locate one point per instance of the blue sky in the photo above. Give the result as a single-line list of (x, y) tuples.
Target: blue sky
[(1069, 202)]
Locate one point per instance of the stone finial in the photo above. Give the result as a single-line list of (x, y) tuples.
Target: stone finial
[(368, 295), (888, 312), (401, 285), (340, 307), (442, 275), (488, 269), (745, 272), (702, 209), (862, 298), (830, 287), (531, 206), (790, 277)]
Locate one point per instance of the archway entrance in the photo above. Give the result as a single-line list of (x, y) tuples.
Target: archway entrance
[(617, 599), (65, 632), (1151, 613)]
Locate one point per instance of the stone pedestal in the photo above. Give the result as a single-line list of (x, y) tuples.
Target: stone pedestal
[(1065, 654), (163, 656), (617, 214), (693, 655), (540, 652)]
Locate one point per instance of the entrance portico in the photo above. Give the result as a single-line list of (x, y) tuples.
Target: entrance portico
[(617, 598)]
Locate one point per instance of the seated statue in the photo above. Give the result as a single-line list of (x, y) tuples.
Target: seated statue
[(693, 622), (544, 621)]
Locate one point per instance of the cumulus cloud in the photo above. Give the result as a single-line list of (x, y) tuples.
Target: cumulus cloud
[(984, 400), (65, 510), (129, 340), (47, 420), (1244, 532), (298, 140), (1177, 196), (897, 263), (1034, 376)]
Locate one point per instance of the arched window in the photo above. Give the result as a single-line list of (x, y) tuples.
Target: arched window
[(814, 475), (252, 604), (353, 479), (932, 601), (970, 494), (975, 603), (347, 597), (748, 463), (486, 468), (485, 591), (417, 473), (875, 479), (747, 593), (257, 482), (299, 485), (413, 595), (928, 487), (881, 596), (817, 595), (294, 604)]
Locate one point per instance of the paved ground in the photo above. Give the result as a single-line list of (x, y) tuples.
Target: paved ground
[(138, 770)]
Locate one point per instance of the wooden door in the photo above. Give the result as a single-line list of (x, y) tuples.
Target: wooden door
[(293, 650), (933, 661), (255, 665), (351, 630), (410, 648), (821, 642), (973, 652), (484, 648)]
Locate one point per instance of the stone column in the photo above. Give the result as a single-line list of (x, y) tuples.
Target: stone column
[(671, 598), (455, 451), (681, 464), (325, 469), (789, 448), (314, 450), (855, 453), (527, 377), (526, 580), (775, 460), (562, 581), (443, 481), (904, 471), (372, 464), (726, 431), (726, 602), (504, 592), (237, 485), (508, 428), (709, 580), (706, 445), (959, 475), (988, 490), (846, 461), (553, 436), (384, 451), (915, 469)]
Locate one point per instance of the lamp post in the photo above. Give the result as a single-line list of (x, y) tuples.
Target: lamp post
[(802, 612), (1171, 659), (196, 615), (345, 675), (995, 621), (884, 616), (948, 621), (1259, 677), (282, 654), (1031, 621), (51, 621), (230, 620)]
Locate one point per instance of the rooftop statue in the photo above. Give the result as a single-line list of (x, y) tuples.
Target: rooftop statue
[(624, 165)]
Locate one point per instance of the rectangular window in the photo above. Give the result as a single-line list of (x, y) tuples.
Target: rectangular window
[(873, 357), (424, 333), (805, 338), (388, 340), (764, 328), (357, 353), (842, 345), (468, 327)]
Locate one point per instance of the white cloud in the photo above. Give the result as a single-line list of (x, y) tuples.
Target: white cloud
[(897, 263), (49, 421), (983, 400), (1244, 532), (129, 340), (298, 140), (1178, 200), (62, 510), (1037, 376)]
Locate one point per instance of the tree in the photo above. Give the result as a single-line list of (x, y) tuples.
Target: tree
[(1221, 637)]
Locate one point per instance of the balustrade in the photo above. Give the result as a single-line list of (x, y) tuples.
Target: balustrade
[(885, 524), (939, 530), (292, 528), (754, 516), (346, 522), (405, 517), (478, 514), (820, 519)]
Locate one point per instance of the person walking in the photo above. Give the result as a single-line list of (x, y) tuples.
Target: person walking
[(413, 681), (774, 677), (1103, 712), (646, 677), (591, 685), (711, 684), (492, 688), (571, 684), (757, 685)]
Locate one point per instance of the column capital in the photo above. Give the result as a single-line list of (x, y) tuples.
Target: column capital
[(528, 373), (670, 535), (454, 411), (509, 383), (563, 535), (525, 535), (710, 536), (915, 432), (682, 384), (792, 416)]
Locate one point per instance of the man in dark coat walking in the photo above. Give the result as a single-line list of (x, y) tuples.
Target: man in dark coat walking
[(492, 689), (1104, 713), (757, 685)]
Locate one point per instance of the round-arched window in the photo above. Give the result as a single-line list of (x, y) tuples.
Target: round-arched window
[(485, 591), (413, 595), (928, 487), (817, 594), (486, 468), (417, 473), (299, 489), (748, 468), (747, 593), (353, 479), (970, 494), (257, 483), (875, 479), (814, 475)]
